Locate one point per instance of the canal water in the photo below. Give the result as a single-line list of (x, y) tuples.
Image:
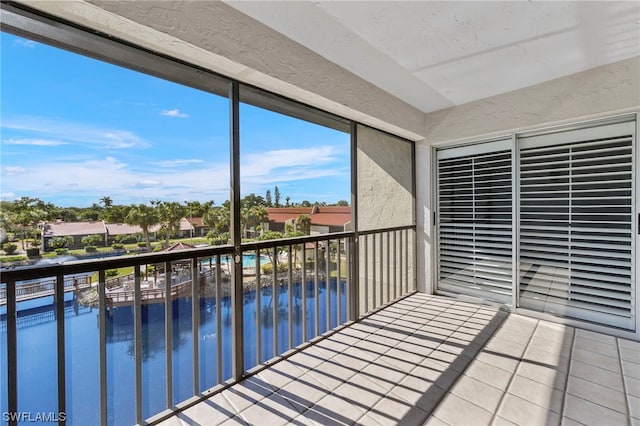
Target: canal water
[(37, 359)]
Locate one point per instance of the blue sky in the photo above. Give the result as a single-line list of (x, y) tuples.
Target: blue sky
[(73, 130)]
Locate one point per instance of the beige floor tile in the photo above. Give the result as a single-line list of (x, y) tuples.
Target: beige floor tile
[(214, 410), (532, 391), (566, 421), (273, 410), (505, 347), (523, 412), (418, 393), (600, 347), (513, 336), (235, 421), (367, 420), (502, 361), (304, 392), (634, 406), (555, 346), (359, 396), (457, 411), (629, 344), (327, 379), (551, 360), (395, 361), (486, 373), (630, 369), (598, 337), (598, 394), (280, 374), (477, 392), (247, 393), (440, 373), (395, 411), (542, 374), (589, 413), (301, 420), (337, 409), (434, 421), (595, 374), (501, 421), (175, 421), (633, 386), (599, 360)]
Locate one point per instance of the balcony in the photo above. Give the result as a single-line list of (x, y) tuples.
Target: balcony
[(436, 360), (339, 350)]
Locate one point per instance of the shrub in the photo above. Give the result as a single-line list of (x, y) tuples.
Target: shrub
[(33, 252), (142, 244), (61, 251), (157, 249), (111, 273), (91, 249), (60, 242), (92, 240), (268, 268), (117, 246), (9, 248)]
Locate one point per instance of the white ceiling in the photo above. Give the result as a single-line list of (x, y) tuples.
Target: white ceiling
[(435, 54)]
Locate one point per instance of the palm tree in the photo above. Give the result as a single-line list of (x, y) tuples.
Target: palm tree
[(303, 223), (106, 201), (145, 217), (170, 214)]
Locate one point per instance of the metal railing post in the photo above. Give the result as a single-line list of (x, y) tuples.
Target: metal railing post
[(237, 289), (12, 351), (59, 304)]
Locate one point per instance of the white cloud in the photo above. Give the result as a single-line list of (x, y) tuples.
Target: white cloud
[(178, 163), (13, 170), (174, 113), (148, 182), (79, 133), (35, 142), (26, 43), (7, 195), (88, 180)]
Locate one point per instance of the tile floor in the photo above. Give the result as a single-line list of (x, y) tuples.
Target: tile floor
[(439, 361)]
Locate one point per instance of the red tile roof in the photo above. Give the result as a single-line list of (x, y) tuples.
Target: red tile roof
[(320, 215)]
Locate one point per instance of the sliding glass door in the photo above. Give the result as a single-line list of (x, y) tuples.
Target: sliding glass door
[(576, 223), (474, 218)]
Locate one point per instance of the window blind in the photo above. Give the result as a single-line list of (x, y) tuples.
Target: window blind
[(576, 217), (475, 221)]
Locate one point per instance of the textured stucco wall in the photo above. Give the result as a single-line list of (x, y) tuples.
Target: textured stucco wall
[(599, 92), (384, 180), (216, 36), (603, 89)]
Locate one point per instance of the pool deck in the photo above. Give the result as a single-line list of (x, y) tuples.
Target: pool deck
[(440, 361)]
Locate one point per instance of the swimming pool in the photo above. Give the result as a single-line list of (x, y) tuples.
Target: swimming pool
[(248, 260)]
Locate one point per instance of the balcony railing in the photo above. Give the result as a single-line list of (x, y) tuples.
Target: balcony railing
[(176, 330)]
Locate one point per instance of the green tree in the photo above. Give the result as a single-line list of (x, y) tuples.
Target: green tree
[(93, 240), (267, 199), (60, 242), (106, 201), (342, 203), (277, 196), (287, 199), (29, 213), (145, 217), (271, 235), (170, 214), (251, 217), (303, 224)]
